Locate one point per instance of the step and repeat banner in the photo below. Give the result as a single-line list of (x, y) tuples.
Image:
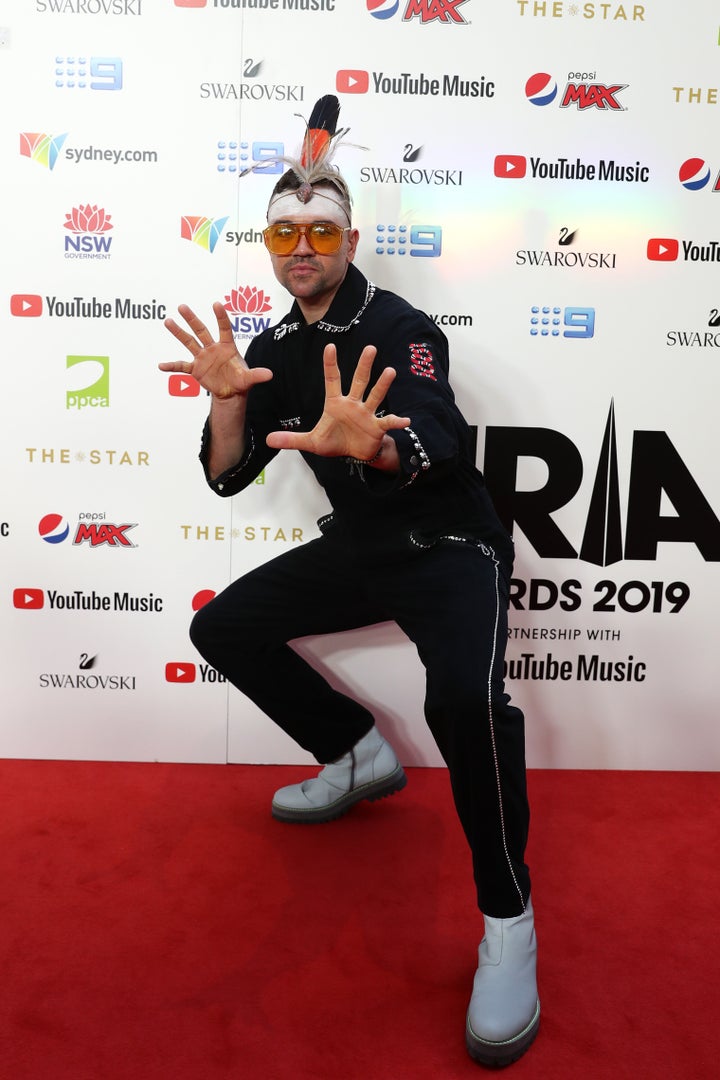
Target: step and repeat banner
[(543, 178)]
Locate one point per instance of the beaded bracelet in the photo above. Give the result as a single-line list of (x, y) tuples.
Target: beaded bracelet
[(366, 461)]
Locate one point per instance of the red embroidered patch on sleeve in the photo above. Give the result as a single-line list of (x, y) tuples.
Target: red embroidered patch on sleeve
[(421, 361)]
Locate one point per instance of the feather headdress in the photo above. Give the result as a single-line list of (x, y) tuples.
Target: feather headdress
[(313, 164)]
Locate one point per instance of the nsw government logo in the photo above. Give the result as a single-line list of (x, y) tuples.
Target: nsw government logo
[(88, 225), (246, 306)]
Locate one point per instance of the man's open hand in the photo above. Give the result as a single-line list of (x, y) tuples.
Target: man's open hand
[(348, 426), (217, 365)]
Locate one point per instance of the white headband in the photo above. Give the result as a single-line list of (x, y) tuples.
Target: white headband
[(289, 204)]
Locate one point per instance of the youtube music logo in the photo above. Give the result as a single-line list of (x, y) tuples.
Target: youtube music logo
[(180, 672), (28, 599), (352, 81), (510, 166), (26, 305), (183, 386), (662, 249)]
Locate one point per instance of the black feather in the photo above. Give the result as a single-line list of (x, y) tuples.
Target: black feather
[(325, 114)]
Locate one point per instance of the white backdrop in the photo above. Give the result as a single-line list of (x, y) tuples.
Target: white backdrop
[(549, 161)]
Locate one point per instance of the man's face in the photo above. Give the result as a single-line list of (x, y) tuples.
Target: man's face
[(313, 279)]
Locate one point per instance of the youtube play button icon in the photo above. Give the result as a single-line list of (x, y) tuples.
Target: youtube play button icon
[(26, 305), (28, 599), (352, 81), (510, 166), (180, 672), (663, 249), (183, 386)]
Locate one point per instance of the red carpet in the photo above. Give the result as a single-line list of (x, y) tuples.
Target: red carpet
[(157, 924)]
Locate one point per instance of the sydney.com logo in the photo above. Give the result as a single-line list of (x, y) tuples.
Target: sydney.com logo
[(45, 150)]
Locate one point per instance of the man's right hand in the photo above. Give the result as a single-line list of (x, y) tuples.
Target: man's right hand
[(216, 365)]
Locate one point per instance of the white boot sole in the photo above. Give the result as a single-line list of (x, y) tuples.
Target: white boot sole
[(498, 1054), (376, 789)]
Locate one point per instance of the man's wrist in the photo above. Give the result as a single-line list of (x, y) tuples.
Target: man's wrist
[(368, 461)]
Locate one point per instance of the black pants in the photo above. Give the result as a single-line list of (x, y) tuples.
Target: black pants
[(451, 601)]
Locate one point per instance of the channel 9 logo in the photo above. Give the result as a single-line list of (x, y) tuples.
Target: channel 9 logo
[(417, 241)]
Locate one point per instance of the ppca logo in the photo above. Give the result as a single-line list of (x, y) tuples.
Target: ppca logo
[(445, 12), (89, 382)]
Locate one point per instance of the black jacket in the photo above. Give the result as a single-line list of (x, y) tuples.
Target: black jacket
[(438, 490)]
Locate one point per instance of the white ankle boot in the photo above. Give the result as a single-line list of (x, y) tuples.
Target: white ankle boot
[(504, 1012), (369, 771)]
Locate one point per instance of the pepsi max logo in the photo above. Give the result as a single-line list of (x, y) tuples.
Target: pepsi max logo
[(583, 94), (383, 9), (201, 598), (541, 89), (694, 174), (426, 11), (53, 529)]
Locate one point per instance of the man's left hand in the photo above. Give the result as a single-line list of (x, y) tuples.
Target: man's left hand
[(348, 426)]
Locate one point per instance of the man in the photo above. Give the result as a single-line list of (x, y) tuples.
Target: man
[(356, 380)]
